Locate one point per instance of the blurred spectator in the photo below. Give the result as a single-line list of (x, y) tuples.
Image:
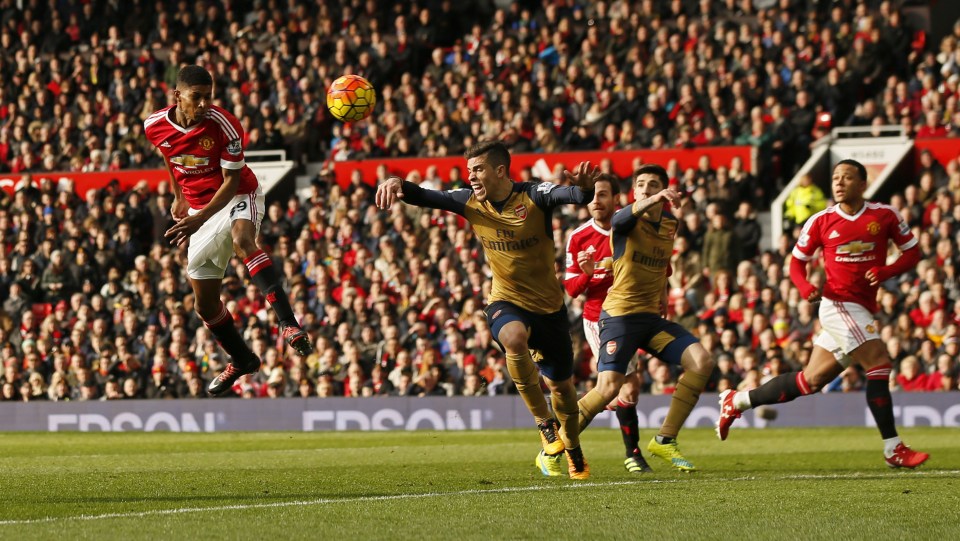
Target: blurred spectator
[(805, 200)]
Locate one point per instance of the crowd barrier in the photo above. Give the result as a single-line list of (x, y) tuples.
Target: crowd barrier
[(943, 150), (621, 160), (269, 165), (435, 413), (83, 182)]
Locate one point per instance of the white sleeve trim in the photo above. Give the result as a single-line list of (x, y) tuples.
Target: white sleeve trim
[(909, 244), (800, 255), (232, 165)]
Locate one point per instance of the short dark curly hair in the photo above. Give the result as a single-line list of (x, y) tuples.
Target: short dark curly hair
[(194, 75)]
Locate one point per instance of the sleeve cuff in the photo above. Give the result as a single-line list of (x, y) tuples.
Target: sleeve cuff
[(909, 244), (800, 255), (232, 165)]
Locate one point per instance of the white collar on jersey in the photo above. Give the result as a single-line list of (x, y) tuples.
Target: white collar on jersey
[(178, 127), (848, 216), (599, 229)]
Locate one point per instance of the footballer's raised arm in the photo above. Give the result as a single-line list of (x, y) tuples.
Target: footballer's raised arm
[(547, 195), (395, 188)]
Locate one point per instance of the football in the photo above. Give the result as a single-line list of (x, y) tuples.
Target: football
[(351, 98)]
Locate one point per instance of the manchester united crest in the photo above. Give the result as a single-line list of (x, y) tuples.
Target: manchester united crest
[(206, 143), (873, 228), (520, 211)]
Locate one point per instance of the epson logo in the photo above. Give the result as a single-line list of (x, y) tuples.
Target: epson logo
[(391, 419), (919, 415), (126, 422)]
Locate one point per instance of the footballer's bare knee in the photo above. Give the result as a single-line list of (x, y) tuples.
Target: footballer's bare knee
[(871, 354), (630, 390), (244, 247), (609, 384), (559, 387), (817, 379), (697, 359), (513, 336), (822, 369)]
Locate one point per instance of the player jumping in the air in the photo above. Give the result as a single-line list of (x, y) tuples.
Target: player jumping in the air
[(218, 206)]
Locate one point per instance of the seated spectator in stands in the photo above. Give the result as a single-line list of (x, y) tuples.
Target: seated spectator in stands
[(726, 370), (923, 314), (131, 389), (378, 382), (195, 388), (9, 392), (473, 386), (945, 377), (112, 390), (931, 127), (664, 383), (276, 383), (305, 388), (160, 385), (911, 376), (850, 380), (89, 391), (405, 385), (59, 390), (430, 383)]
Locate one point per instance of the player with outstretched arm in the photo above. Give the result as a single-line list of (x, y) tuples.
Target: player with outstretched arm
[(525, 309)]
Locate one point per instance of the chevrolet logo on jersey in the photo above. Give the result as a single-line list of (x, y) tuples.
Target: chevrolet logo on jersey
[(189, 160), (855, 248)]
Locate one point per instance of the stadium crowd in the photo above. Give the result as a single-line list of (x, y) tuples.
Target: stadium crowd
[(95, 304)]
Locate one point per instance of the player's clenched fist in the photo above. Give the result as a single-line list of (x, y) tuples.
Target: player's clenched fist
[(586, 262)]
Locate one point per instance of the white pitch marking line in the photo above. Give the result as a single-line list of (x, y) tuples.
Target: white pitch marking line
[(472, 492)]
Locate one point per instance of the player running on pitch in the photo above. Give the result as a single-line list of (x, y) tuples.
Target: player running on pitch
[(526, 309), (853, 234), (642, 243), (588, 272)]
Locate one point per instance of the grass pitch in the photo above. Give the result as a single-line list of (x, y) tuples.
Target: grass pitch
[(761, 484)]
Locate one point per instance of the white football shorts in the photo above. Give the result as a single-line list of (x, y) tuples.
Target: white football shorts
[(846, 326), (211, 247)]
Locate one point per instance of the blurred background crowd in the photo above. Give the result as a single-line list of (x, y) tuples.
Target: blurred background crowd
[(95, 303)]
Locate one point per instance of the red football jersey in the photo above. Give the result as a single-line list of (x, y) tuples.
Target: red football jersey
[(197, 155), (593, 239), (852, 245)]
